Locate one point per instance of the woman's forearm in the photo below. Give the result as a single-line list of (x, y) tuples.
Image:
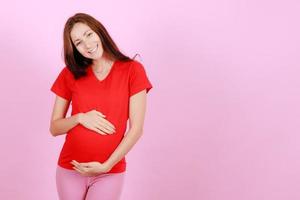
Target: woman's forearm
[(124, 147), (61, 126)]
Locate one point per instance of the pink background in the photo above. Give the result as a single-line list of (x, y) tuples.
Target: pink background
[(223, 116)]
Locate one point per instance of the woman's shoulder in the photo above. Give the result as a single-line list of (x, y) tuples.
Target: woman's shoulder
[(130, 64), (66, 72)]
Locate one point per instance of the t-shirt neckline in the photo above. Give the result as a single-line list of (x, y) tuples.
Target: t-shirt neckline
[(106, 77)]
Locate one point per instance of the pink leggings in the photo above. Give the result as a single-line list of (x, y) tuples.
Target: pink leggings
[(71, 185)]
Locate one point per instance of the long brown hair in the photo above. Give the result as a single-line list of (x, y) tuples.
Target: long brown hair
[(77, 63)]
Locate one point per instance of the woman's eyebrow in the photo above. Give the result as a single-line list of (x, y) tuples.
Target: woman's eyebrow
[(83, 35)]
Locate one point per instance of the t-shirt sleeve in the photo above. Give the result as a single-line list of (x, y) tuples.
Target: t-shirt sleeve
[(62, 86), (138, 79)]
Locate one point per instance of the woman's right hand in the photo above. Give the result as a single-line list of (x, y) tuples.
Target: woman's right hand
[(95, 121)]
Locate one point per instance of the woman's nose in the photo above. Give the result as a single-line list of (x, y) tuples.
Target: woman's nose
[(87, 45)]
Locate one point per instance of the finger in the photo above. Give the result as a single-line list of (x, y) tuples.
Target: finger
[(82, 172), (75, 163), (86, 165), (100, 114), (78, 165), (105, 129), (78, 170), (109, 124), (98, 131), (101, 131), (102, 128)]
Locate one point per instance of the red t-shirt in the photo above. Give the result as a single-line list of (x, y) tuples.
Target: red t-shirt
[(110, 97)]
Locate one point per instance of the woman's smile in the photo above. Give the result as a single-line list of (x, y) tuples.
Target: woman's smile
[(93, 50)]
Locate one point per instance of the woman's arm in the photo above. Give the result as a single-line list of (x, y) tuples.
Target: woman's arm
[(59, 124), (137, 109)]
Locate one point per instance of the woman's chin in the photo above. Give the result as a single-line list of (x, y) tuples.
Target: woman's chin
[(96, 57)]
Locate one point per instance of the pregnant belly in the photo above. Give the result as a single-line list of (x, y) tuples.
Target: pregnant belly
[(85, 145)]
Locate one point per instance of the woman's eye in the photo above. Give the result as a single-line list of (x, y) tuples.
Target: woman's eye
[(80, 42)]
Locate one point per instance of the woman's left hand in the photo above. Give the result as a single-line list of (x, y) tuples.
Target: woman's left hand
[(90, 168)]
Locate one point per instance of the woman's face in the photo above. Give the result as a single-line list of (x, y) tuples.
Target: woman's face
[(86, 41)]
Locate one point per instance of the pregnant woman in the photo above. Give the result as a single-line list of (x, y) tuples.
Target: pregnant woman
[(105, 89)]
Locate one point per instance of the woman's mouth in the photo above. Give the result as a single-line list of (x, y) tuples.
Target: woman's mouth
[(93, 50)]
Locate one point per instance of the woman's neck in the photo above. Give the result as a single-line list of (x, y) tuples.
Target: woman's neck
[(102, 63)]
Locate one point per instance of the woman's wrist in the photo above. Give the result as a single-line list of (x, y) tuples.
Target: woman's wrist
[(107, 166), (79, 118)]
